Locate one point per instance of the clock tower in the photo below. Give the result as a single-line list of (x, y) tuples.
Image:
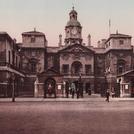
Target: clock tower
[(73, 29)]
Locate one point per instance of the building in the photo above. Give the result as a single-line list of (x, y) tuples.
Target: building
[(35, 67)]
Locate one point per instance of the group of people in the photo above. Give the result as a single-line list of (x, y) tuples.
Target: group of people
[(77, 88), (74, 88)]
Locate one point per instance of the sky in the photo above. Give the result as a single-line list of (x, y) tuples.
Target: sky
[(51, 16)]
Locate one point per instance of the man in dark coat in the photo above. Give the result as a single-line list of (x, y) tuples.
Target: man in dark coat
[(107, 95), (67, 88)]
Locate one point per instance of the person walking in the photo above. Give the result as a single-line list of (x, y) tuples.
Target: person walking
[(67, 89), (73, 88), (107, 95)]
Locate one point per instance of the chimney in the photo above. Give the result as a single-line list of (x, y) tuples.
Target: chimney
[(60, 40), (117, 32), (89, 40)]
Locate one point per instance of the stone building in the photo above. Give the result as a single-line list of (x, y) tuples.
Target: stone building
[(36, 66)]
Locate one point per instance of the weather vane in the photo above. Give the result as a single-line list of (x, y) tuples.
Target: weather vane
[(73, 5)]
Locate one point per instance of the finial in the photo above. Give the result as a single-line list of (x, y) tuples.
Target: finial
[(89, 40), (60, 40), (73, 6), (34, 29), (116, 31)]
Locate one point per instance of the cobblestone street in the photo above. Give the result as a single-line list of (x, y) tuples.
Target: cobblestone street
[(67, 117)]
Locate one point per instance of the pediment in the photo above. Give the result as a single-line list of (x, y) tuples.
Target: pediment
[(49, 72), (76, 48)]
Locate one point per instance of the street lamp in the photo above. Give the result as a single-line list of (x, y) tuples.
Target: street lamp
[(80, 86), (13, 87)]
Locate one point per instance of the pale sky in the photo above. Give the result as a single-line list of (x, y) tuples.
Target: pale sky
[(51, 16)]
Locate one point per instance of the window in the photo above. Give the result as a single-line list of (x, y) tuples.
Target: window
[(121, 66), (32, 39), (16, 61), (88, 69), (120, 69), (109, 43), (76, 68), (33, 67), (13, 57), (33, 53), (99, 70), (9, 57), (121, 42), (65, 68), (50, 61)]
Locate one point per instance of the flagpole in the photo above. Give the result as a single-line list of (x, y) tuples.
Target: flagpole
[(109, 26)]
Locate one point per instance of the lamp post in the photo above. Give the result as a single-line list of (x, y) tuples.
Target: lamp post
[(80, 86), (13, 87), (105, 84)]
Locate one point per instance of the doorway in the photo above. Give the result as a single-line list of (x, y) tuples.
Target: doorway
[(50, 88)]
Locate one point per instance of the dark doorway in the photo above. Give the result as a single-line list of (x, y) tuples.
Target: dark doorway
[(50, 88), (87, 87), (132, 88)]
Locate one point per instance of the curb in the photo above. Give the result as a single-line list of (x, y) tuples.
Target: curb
[(64, 99)]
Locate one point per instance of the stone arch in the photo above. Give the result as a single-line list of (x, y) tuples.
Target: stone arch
[(50, 87)]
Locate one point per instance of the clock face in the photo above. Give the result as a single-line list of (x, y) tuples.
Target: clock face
[(74, 31)]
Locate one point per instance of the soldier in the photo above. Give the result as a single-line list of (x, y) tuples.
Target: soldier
[(67, 88), (50, 89), (107, 95), (73, 88)]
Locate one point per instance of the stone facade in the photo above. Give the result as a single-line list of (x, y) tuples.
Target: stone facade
[(38, 67)]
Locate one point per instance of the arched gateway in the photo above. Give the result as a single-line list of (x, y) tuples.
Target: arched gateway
[(49, 88), (48, 83)]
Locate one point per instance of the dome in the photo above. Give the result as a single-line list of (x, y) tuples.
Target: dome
[(73, 23)]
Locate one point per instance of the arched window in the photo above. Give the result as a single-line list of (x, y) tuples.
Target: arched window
[(33, 67), (76, 68), (121, 66), (33, 63)]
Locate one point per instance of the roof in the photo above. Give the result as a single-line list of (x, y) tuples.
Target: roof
[(77, 50), (129, 72), (99, 50), (2, 32), (33, 33), (53, 49), (73, 11), (6, 34), (118, 35), (73, 23)]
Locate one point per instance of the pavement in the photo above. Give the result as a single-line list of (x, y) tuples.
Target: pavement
[(86, 98), (67, 116), (88, 115)]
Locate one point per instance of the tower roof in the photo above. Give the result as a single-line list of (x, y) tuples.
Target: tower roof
[(73, 19), (33, 33), (73, 11), (73, 23), (118, 35)]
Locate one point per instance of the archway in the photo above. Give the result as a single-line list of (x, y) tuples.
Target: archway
[(49, 88), (87, 87)]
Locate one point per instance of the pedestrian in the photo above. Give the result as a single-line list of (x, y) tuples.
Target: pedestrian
[(67, 89), (107, 95), (81, 89), (89, 91), (49, 89), (73, 89)]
